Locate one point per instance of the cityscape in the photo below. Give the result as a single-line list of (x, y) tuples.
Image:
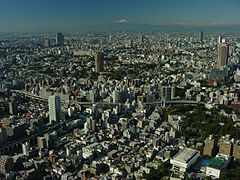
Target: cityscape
[(128, 101)]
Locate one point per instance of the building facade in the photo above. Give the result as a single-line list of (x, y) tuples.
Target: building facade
[(54, 105)]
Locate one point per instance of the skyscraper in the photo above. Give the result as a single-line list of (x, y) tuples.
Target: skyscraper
[(54, 105), (46, 42), (223, 49), (59, 39), (13, 107), (201, 36), (210, 148), (141, 39), (99, 62), (219, 39), (236, 151), (167, 93)]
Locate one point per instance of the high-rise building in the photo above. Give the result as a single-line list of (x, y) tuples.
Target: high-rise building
[(166, 39), (141, 39), (225, 146), (201, 36), (41, 142), (3, 136), (119, 96), (46, 42), (210, 148), (129, 43), (110, 39), (13, 107), (54, 105), (26, 148), (6, 164), (59, 39), (223, 49), (167, 93), (91, 122), (219, 39), (236, 151), (99, 62)]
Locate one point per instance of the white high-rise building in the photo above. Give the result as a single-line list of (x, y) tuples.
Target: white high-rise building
[(54, 105), (168, 93), (219, 39), (25, 148)]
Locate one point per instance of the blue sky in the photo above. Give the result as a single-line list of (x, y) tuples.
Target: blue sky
[(73, 15)]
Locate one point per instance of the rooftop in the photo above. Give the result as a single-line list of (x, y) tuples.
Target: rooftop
[(185, 155), (218, 163)]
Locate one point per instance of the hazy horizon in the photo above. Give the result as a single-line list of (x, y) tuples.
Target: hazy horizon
[(108, 15)]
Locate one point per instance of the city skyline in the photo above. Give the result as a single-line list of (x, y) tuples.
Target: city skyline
[(68, 16)]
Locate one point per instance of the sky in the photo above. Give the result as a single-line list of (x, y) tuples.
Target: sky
[(87, 15)]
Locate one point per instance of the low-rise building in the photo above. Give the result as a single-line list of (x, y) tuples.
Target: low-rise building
[(216, 166), (184, 159)]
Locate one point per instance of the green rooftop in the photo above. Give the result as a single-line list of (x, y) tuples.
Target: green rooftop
[(218, 163)]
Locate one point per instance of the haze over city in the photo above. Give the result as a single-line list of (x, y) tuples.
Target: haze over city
[(107, 15), (119, 89)]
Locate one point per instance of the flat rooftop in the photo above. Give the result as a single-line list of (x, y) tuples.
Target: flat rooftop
[(218, 163), (185, 155)]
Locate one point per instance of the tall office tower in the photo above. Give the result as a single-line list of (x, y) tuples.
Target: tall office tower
[(119, 96), (91, 123), (167, 39), (223, 49), (99, 62), (129, 43), (110, 38), (167, 93), (25, 148), (3, 136), (201, 36), (219, 39), (54, 105), (46, 42), (141, 39), (59, 39), (13, 107)]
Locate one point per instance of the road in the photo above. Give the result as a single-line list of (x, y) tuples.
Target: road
[(34, 96), (39, 133)]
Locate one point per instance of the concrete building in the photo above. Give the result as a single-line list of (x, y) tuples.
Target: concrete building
[(225, 146), (25, 148), (59, 39), (237, 76), (119, 96), (54, 105), (223, 51), (6, 164), (3, 136), (236, 151), (201, 36), (215, 167), (210, 148), (41, 142), (219, 39), (13, 107), (99, 62), (46, 42), (91, 124), (167, 93), (184, 159)]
